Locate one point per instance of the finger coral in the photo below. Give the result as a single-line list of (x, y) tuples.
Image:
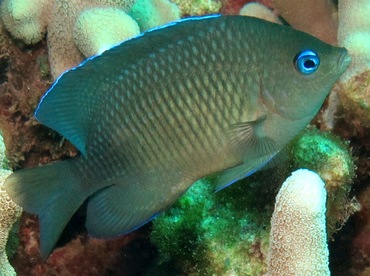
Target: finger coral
[(29, 20), (331, 158), (227, 233), (260, 11), (355, 99), (353, 33), (9, 213), (298, 243), (318, 17), (63, 56), (154, 13), (97, 29), (198, 7), (26, 20)]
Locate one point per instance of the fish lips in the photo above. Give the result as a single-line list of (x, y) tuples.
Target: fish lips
[(344, 60)]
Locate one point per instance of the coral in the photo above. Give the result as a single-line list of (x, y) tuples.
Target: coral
[(354, 124), (124, 4), (318, 17), (154, 13), (227, 232), (259, 11), (331, 158), (198, 7), (82, 255), (325, 153), (355, 98), (353, 33), (234, 6), (298, 242), (94, 32), (26, 20), (13, 241), (23, 79), (58, 17), (360, 238), (10, 212), (63, 56), (22, 83), (353, 91), (214, 234), (2, 153)]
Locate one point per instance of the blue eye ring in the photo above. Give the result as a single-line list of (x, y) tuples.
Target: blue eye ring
[(307, 62)]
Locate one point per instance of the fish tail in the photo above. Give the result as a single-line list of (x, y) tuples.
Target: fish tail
[(52, 192)]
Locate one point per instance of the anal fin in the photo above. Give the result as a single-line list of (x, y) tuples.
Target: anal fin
[(132, 202)]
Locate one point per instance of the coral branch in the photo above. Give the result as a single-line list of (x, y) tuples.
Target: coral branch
[(353, 33), (298, 244)]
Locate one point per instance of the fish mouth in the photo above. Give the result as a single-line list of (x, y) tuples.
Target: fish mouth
[(344, 59)]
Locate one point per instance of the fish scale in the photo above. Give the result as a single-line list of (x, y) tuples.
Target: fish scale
[(167, 96), (217, 94)]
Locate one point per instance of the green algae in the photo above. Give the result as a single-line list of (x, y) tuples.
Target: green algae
[(198, 7), (331, 158), (207, 233), (211, 233)]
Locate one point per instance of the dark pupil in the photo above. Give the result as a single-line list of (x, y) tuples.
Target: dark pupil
[(309, 63)]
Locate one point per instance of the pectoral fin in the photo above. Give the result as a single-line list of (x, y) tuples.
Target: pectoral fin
[(250, 140), (256, 149)]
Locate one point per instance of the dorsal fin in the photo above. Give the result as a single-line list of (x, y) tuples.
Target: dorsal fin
[(62, 110), (68, 106)]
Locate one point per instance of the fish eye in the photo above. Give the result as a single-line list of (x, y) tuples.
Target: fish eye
[(306, 62)]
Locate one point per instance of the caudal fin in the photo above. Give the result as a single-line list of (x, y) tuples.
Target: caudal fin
[(52, 192)]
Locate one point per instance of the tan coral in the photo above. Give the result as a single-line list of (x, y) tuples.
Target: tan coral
[(354, 93), (58, 18), (94, 32), (26, 20), (260, 11), (298, 242), (154, 13), (353, 33), (123, 4), (63, 52), (198, 7), (60, 37), (10, 212), (316, 17), (355, 98)]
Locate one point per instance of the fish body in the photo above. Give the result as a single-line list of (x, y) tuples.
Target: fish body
[(155, 113)]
